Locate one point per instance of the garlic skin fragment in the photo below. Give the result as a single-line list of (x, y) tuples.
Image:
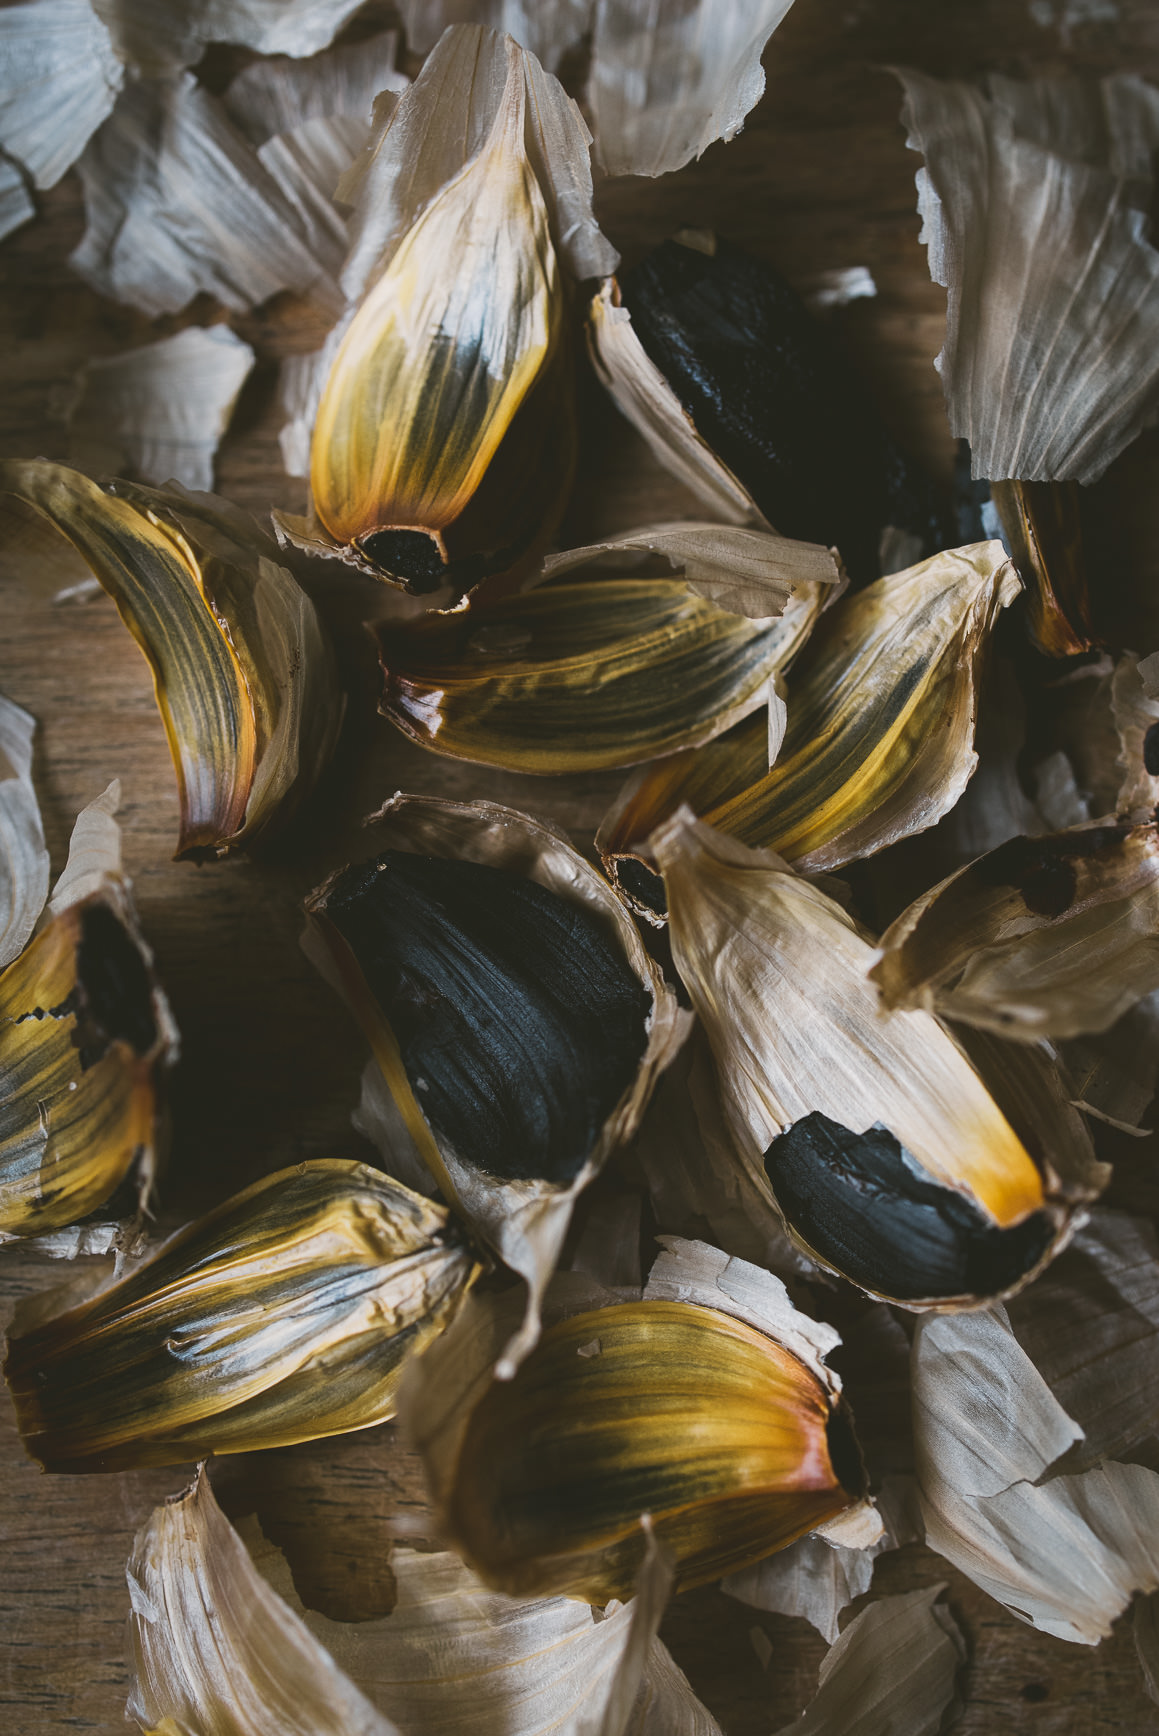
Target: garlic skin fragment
[(214, 1649), (732, 1440), (523, 1216), (1038, 234), (163, 40), (159, 412), (277, 95), (1051, 936), (662, 91), (59, 78), (826, 1097), (891, 1673), (245, 679), (609, 672), (472, 366), (178, 203), (220, 1643), (23, 858), (85, 1036), (287, 1314), (1062, 1552), (880, 736)]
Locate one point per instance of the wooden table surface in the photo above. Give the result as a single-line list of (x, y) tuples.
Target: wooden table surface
[(819, 179)]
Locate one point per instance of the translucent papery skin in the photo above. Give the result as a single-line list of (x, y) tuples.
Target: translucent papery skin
[(730, 1444), (285, 1315)]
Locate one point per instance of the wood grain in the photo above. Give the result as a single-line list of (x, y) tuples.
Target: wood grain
[(819, 179)]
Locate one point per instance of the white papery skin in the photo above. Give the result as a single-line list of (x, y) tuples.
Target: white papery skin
[(1066, 1553), (177, 202), (23, 857), (277, 95), (59, 78), (164, 35), (1051, 360), (890, 1674), (217, 1651), (746, 571), (160, 411), (668, 78)]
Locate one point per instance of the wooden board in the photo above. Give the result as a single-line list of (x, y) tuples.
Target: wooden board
[(819, 179)]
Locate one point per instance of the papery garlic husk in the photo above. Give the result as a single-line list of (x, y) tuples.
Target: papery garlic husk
[(582, 676), (736, 388), (444, 440), (879, 742), (219, 1640), (888, 1157), (1043, 937), (178, 203), (286, 1314), (59, 77), (244, 675), (517, 1019), (1062, 1552), (1033, 198), (893, 1669), (706, 1406), (23, 857), (161, 410), (85, 1036)]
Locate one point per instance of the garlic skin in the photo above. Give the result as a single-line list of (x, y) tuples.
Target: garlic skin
[(1054, 936)]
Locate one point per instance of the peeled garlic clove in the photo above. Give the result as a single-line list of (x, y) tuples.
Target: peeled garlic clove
[(724, 1437), (444, 439), (776, 407), (1043, 937), (1043, 527), (586, 675), (245, 679), (85, 1035), (879, 742), (889, 1158), (514, 1013), (286, 1314)]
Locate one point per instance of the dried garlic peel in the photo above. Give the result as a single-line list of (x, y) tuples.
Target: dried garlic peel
[(285, 1315), (1043, 937), (219, 1646), (23, 857)]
